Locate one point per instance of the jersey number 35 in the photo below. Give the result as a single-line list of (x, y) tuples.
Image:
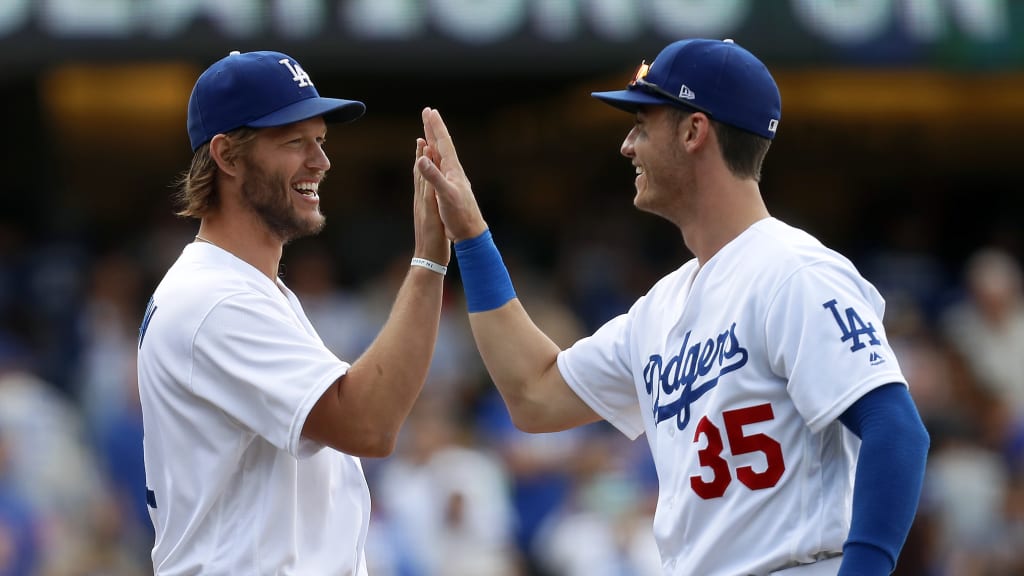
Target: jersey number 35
[(711, 457)]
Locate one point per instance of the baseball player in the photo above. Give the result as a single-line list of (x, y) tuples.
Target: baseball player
[(253, 428), (783, 433)]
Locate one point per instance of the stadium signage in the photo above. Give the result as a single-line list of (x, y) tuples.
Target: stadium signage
[(787, 29)]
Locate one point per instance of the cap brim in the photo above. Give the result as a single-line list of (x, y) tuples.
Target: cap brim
[(333, 110), (630, 100)]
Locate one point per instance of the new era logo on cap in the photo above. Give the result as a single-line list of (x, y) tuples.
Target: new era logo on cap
[(258, 90), (717, 77)]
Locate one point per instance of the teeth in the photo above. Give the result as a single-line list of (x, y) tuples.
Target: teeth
[(639, 170), (307, 188)]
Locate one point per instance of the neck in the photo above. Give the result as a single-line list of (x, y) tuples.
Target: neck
[(257, 247), (720, 215)]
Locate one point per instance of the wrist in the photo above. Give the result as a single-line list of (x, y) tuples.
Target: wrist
[(485, 280), (860, 558), (443, 260), (432, 265), (471, 232)]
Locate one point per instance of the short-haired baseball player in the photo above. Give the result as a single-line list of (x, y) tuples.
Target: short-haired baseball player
[(253, 428), (783, 433)]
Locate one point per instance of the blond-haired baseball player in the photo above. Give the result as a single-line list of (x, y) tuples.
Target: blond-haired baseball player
[(253, 428)]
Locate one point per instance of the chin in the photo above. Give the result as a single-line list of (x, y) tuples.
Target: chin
[(639, 202)]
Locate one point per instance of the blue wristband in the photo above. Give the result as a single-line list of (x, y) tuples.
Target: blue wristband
[(484, 276)]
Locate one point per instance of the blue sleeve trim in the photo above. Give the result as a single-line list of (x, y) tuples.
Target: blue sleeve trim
[(890, 472)]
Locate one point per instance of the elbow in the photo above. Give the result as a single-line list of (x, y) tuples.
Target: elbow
[(533, 418), (383, 446), (535, 410), (381, 449), (524, 423), (369, 445), (915, 432), (922, 438)]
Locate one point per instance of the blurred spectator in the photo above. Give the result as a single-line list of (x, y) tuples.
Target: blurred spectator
[(108, 329), (540, 465), (539, 469), (52, 467), (348, 320), (107, 389), (967, 489), (340, 317), (19, 530), (446, 500), (988, 326), (609, 508)]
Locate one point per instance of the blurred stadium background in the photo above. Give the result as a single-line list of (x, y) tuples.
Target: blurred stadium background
[(899, 146)]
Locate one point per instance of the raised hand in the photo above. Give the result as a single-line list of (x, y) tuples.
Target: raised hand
[(431, 242), (438, 164)]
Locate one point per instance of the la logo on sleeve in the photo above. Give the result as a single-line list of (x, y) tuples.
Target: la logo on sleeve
[(853, 328)]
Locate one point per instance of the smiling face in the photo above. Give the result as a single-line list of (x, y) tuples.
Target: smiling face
[(282, 175), (662, 168)]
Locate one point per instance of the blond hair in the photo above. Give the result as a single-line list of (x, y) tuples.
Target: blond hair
[(197, 192)]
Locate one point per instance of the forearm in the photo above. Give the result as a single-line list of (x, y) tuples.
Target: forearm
[(380, 388), (890, 472), (516, 353), (521, 359)]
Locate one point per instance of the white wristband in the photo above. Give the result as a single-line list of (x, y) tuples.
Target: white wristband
[(432, 266)]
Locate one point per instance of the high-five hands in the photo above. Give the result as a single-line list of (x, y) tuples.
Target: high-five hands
[(431, 241), (438, 163)]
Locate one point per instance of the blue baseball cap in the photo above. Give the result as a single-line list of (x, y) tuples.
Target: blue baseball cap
[(717, 77), (258, 90)]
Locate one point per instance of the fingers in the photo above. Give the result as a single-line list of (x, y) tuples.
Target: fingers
[(421, 146), (438, 136), (427, 170), (420, 184), (431, 238)]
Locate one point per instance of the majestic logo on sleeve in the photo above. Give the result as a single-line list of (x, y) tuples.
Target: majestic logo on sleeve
[(695, 370)]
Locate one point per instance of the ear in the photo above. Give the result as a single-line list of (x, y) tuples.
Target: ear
[(695, 131), (219, 150)]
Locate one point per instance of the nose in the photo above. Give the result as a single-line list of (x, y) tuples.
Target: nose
[(318, 159), (627, 145)]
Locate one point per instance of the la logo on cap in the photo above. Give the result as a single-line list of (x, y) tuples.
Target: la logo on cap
[(298, 74)]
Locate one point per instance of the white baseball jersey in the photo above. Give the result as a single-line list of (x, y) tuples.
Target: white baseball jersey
[(229, 368), (737, 372)]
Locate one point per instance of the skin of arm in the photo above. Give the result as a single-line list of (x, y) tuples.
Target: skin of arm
[(520, 358), (361, 412)]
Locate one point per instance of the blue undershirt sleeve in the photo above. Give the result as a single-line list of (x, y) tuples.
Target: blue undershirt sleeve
[(890, 473)]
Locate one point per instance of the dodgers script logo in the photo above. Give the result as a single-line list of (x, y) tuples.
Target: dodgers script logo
[(689, 370)]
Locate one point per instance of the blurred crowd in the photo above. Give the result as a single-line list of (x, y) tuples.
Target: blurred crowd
[(466, 493)]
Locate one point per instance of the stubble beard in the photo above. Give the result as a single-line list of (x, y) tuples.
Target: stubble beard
[(262, 193)]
